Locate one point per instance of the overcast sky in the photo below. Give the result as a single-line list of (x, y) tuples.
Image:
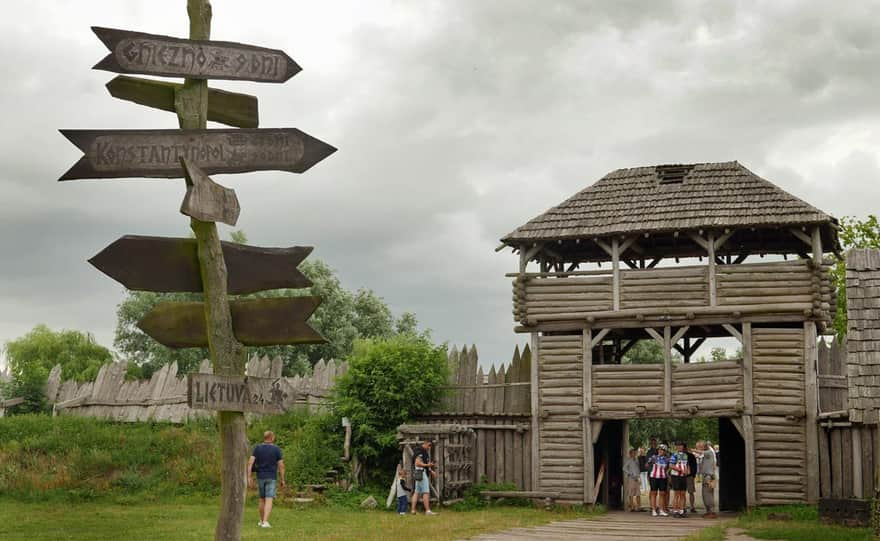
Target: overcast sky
[(456, 121)]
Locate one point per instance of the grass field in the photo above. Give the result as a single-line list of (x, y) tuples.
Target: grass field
[(194, 519)]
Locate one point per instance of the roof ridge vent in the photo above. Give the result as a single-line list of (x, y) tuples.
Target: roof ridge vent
[(672, 174)]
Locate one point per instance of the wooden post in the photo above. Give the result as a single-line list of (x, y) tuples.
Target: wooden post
[(856, 436), (713, 294), (228, 356), (615, 269), (748, 393), (817, 245), (811, 402), (587, 354), (536, 434), (667, 368), (748, 434)]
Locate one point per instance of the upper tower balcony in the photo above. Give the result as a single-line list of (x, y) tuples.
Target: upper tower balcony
[(610, 255)]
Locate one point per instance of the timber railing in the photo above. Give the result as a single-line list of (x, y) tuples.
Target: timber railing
[(774, 287), (163, 396)]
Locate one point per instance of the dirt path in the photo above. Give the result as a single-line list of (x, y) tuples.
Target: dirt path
[(613, 526)]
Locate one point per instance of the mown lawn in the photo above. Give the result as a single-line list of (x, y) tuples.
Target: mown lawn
[(184, 520)]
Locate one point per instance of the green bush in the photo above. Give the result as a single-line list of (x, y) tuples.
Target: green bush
[(387, 383)]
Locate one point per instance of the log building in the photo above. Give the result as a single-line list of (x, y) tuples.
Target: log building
[(680, 250)]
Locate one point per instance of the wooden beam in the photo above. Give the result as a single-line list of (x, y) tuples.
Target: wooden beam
[(627, 347), (631, 264), (749, 439), (699, 240), (802, 236), (817, 245), (733, 332), (536, 434), (748, 396), (667, 368), (738, 424), (856, 436), (596, 429), (677, 336), (812, 409), (627, 243), (602, 244), (719, 242), (527, 255), (740, 258), (599, 336), (713, 292), (587, 353), (615, 269), (655, 335), (654, 262)]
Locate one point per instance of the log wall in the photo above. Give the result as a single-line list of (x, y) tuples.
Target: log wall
[(707, 386), (163, 396), (624, 387), (560, 403), (546, 297), (779, 405), (659, 288)]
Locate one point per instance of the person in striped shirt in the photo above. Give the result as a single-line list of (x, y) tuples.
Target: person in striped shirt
[(658, 465)]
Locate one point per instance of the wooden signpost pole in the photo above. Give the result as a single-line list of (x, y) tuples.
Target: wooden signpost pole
[(228, 356)]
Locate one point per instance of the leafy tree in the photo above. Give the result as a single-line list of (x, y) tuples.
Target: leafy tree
[(644, 352), (33, 355), (387, 383), (670, 430), (853, 233), (78, 354), (342, 318)]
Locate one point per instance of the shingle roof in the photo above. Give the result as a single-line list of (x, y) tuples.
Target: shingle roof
[(712, 195)]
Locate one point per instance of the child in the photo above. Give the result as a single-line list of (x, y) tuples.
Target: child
[(402, 491)]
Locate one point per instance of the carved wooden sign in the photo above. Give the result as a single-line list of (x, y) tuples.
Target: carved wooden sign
[(163, 264), (205, 200), (150, 54), (157, 153), (257, 322), (238, 393), (230, 108)]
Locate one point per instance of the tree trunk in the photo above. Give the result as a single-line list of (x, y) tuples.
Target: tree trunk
[(228, 356)]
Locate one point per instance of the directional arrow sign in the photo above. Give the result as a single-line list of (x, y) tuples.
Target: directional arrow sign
[(230, 108), (239, 393), (165, 264), (157, 153), (257, 322), (136, 52)]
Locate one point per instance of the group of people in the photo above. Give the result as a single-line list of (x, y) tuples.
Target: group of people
[(672, 477), (423, 470)]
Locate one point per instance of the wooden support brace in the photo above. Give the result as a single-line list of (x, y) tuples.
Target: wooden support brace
[(802, 236), (677, 336), (733, 332), (602, 244), (719, 242), (699, 240), (599, 336), (655, 335)]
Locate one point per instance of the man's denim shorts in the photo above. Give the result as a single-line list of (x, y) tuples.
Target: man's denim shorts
[(266, 488)]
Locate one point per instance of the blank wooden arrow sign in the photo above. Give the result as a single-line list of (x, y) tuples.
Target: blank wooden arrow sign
[(230, 108), (256, 322), (205, 200), (149, 54), (157, 153), (164, 264)]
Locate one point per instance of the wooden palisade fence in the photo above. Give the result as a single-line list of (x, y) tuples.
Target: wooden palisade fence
[(163, 397)]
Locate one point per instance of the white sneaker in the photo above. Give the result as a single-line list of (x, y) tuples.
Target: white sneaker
[(653, 512), (430, 513), (663, 513), (265, 525)]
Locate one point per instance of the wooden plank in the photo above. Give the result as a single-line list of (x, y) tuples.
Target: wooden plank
[(237, 393), (811, 390), (824, 464), (713, 289), (535, 434), (749, 440), (589, 461), (152, 54), (867, 447), (256, 322), (157, 153), (205, 200), (847, 465), (855, 434), (667, 368), (164, 264), (230, 108)]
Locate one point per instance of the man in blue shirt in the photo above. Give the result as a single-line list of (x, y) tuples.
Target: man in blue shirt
[(265, 463)]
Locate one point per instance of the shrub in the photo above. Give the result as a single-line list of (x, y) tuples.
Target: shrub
[(387, 383)]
